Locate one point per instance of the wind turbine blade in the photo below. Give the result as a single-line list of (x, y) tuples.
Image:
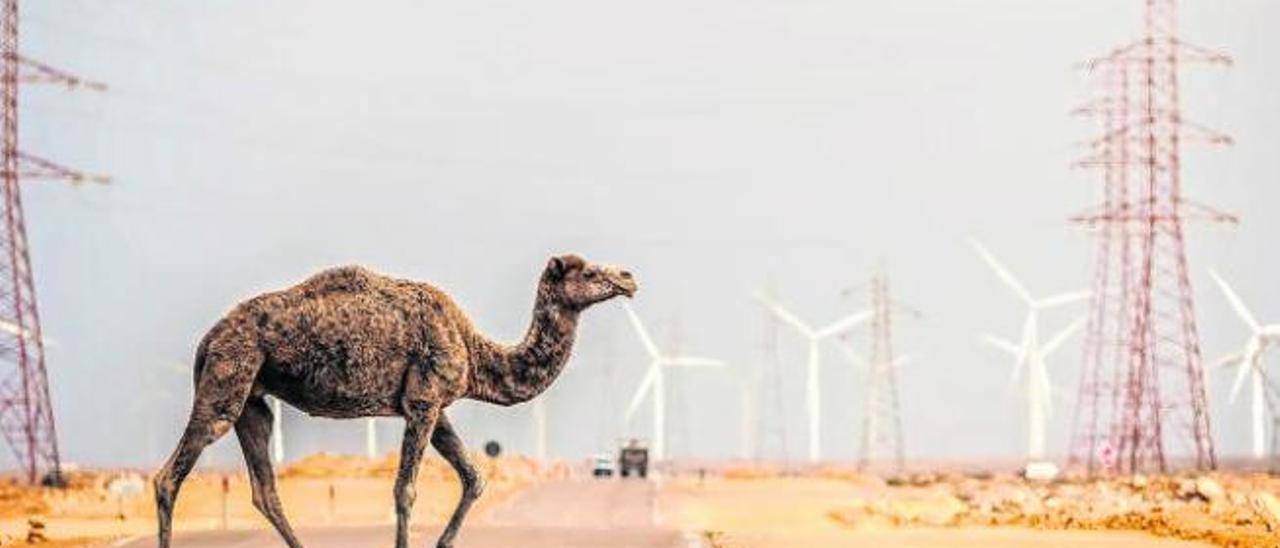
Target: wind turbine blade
[(645, 339), (1061, 337), (1018, 353), (645, 385), (1247, 363), (13, 329), (783, 314), (844, 324), (1002, 272), (1241, 375), (681, 361), (1228, 361), (1236, 302), (1004, 345), (852, 355), (1063, 298), (1014, 374), (1025, 354)]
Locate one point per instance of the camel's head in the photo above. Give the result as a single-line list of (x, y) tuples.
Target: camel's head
[(574, 282)]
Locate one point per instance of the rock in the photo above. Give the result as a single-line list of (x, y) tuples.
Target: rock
[(1267, 506), (1186, 489), (1139, 481), (1210, 490), (923, 479), (945, 510)]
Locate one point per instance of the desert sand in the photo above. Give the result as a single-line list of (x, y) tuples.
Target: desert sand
[(733, 507)]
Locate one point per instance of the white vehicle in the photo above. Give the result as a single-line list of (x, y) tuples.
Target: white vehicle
[(602, 466)]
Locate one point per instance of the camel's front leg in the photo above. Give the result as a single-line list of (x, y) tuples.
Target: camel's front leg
[(418, 427), (447, 442)]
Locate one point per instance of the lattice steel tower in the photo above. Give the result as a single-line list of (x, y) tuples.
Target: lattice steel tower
[(26, 415), (1142, 384), (881, 419), (771, 427)]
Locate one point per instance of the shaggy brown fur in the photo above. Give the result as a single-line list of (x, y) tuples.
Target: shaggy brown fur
[(351, 343)]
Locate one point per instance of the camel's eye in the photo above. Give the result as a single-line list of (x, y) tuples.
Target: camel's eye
[(590, 275)]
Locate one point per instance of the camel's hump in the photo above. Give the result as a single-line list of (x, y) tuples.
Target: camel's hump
[(342, 279)]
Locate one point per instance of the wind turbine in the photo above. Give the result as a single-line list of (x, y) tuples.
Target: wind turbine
[(277, 430), (654, 382), (156, 389), (1249, 362), (371, 437), (1038, 388), (813, 388), (1028, 352), (539, 409), (749, 383)]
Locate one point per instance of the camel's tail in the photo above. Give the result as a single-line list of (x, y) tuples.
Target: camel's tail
[(201, 351)]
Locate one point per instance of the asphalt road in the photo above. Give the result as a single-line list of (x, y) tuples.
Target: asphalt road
[(571, 513)]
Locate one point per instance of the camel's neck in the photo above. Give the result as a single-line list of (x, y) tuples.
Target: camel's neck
[(511, 374)]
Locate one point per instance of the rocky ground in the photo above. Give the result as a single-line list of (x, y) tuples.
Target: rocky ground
[(1221, 509)]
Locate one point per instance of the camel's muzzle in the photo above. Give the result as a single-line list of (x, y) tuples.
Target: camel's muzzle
[(625, 283)]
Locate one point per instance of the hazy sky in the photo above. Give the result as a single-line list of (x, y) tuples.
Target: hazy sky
[(712, 147)]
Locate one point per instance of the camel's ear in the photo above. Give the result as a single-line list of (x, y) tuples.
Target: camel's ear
[(555, 268), (558, 267)]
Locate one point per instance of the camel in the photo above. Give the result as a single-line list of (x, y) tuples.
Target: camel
[(350, 343)]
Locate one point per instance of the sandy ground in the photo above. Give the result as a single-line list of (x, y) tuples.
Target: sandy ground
[(550, 514), (975, 537), (774, 512), (337, 501), (317, 492)]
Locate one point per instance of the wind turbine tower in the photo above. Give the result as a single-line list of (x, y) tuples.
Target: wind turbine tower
[(371, 438), (749, 384), (654, 383), (277, 430), (813, 387), (539, 411)]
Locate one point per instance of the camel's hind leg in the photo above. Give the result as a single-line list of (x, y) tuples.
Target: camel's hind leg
[(449, 445), (254, 431), (224, 379)]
